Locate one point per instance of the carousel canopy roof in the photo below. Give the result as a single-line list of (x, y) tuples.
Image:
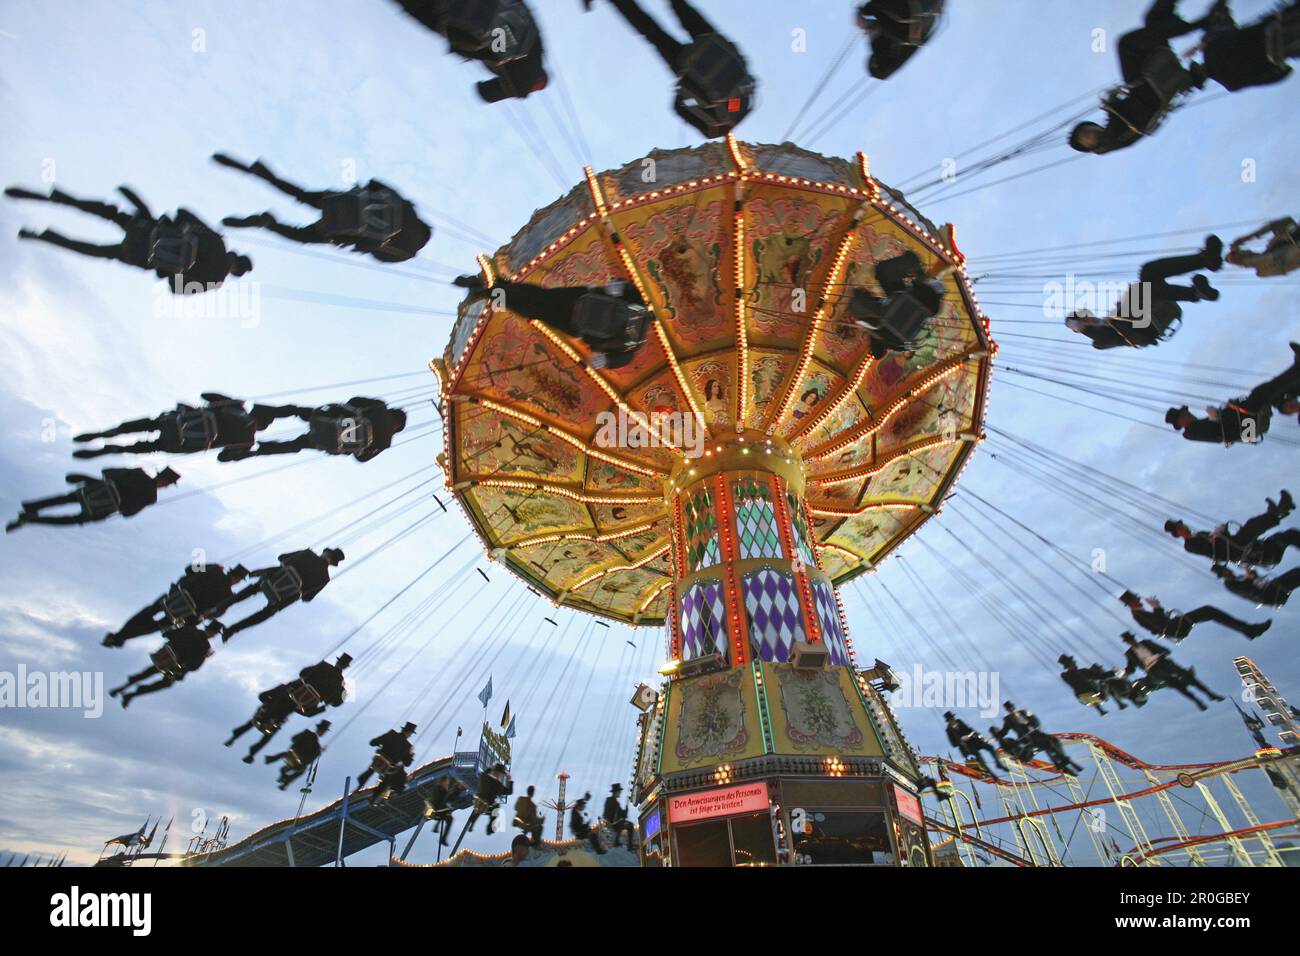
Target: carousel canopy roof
[(746, 254)]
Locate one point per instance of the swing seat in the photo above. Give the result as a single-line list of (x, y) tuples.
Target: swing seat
[(1090, 699), (179, 606), (903, 322), (196, 428), (100, 499), (714, 85), (282, 586), (336, 438), (1282, 38), (266, 724), (503, 28), (600, 319), (362, 215), (1165, 74), (306, 699), (173, 248), (293, 760), (923, 17), (166, 661)]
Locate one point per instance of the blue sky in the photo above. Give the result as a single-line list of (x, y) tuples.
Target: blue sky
[(113, 93)]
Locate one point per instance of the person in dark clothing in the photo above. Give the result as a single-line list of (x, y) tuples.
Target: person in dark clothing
[(201, 592), (1221, 545), (1282, 391), (1153, 78), (715, 90), (303, 750), (1160, 670), (394, 752), (898, 319), (183, 249), (1245, 419), (528, 819), (970, 742), (1149, 311), (520, 847), (1254, 55), (438, 806), (1280, 255), (327, 681), (615, 816), (897, 29), (1225, 425), (299, 576), (1262, 592), (220, 423), (360, 427), (118, 491), (943, 794), (612, 320), (372, 219), (317, 686), (501, 34), (1092, 685), (580, 825), (1029, 732), (1176, 626), (1011, 746), (493, 784), (187, 647)]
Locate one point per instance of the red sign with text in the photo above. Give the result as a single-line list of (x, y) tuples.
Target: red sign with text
[(908, 805), (746, 798)]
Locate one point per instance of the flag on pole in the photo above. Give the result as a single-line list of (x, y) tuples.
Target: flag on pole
[(505, 716), (485, 694), (510, 731)]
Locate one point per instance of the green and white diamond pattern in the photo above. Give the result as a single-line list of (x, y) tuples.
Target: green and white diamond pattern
[(756, 529), (702, 548)]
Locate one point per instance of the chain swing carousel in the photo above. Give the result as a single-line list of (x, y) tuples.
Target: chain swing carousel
[(812, 461)]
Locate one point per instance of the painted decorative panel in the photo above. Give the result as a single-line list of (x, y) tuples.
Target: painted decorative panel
[(710, 720)]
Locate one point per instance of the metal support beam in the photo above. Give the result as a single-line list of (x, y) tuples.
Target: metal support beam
[(343, 822), (411, 842)]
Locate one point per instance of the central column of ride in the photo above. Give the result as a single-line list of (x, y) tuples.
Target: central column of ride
[(747, 582), (765, 746)]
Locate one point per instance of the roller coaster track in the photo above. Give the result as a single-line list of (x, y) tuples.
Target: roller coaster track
[(975, 841), (1188, 773), (1137, 856)]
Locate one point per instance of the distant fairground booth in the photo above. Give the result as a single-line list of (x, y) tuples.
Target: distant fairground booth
[(751, 457)]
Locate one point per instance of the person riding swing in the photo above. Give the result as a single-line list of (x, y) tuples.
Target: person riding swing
[(316, 687), (304, 749), (299, 576)]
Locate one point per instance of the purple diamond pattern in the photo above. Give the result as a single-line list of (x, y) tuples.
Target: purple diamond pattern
[(772, 607), (703, 620), (829, 618)]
